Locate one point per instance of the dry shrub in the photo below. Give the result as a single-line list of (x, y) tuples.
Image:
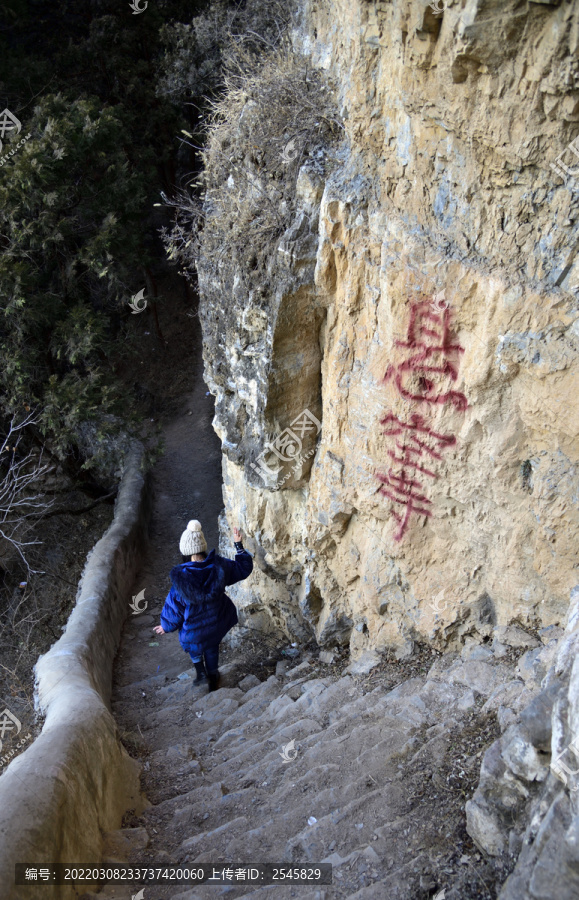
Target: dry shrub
[(274, 114), (197, 53)]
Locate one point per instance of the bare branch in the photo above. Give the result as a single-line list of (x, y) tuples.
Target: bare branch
[(20, 498)]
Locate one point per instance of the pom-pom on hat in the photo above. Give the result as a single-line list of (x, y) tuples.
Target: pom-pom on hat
[(192, 540)]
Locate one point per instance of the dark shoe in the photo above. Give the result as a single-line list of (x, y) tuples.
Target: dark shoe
[(214, 679), (201, 673)]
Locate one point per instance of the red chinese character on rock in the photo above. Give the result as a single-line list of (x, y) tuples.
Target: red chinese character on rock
[(414, 444), (436, 355), (420, 377), (402, 488)]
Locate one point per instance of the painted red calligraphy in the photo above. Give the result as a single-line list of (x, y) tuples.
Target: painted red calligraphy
[(435, 355), (433, 358), (401, 489)]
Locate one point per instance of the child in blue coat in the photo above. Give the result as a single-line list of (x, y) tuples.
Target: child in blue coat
[(197, 603)]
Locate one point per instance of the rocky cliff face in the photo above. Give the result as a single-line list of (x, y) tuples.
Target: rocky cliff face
[(399, 415), (399, 412)]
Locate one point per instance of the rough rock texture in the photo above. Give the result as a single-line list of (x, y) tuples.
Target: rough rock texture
[(380, 762), (526, 802), (426, 318), (423, 315)]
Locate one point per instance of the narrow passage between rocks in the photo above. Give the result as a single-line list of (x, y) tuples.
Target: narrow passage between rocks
[(376, 768)]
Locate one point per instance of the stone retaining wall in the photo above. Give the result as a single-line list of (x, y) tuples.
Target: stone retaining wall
[(76, 780)]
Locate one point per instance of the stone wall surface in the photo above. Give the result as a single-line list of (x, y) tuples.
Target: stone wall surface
[(426, 318), (425, 301), (75, 781), (526, 803)]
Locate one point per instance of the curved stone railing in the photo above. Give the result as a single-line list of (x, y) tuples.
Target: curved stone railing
[(76, 780)]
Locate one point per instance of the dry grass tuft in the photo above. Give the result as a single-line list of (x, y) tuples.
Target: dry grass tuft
[(275, 114)]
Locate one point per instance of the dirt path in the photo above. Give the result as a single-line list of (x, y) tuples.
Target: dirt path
[(186, 485)]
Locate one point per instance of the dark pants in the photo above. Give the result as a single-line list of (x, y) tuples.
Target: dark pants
[(211, 655)]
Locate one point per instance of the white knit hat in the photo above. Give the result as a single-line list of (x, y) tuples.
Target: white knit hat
[(192, 540)]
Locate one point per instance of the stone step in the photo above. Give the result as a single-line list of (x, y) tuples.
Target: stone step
[(253, 762), (194, 844), (277, 819), (370, 811)]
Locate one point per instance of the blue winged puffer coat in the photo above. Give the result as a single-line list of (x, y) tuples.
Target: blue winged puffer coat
[(197, 603)]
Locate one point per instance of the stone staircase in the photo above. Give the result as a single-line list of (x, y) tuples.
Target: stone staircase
[(376, 781)]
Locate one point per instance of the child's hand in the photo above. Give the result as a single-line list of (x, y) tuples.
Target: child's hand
[(159, 629), (236, 534)]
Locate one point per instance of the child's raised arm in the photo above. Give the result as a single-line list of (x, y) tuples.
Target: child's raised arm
[(239, 568)]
